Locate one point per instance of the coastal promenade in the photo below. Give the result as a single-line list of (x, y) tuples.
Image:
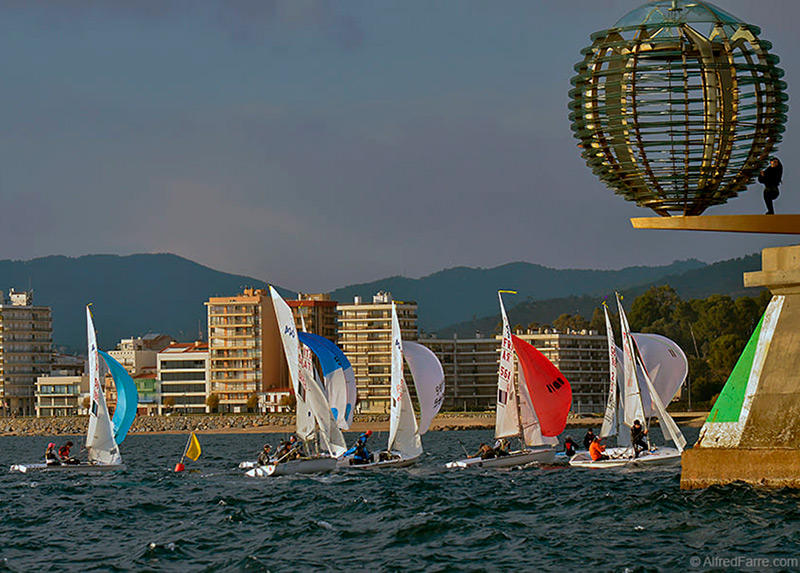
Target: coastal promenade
[(276, 423)]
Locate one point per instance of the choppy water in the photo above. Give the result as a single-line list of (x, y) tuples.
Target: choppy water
[(421, 518)]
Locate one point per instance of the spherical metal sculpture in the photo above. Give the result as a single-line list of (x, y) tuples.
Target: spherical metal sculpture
[(678, 105)]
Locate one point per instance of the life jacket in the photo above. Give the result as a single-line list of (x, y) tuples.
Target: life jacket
[(63, 451), (596, 451)]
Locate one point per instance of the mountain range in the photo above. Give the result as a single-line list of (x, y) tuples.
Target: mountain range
[(163, 293)]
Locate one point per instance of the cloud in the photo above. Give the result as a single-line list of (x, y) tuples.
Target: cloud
[(246, 22)]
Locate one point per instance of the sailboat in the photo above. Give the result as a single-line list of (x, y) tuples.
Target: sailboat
[(316, 424), (103, 434), (624, 407), (537, 413), (404, 446)]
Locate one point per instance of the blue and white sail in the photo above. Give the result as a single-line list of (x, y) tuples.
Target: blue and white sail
[(333, 361), (100, 443), (127, 397), (313, 410)]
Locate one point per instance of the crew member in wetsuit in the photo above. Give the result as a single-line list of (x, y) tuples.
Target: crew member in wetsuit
[(50, 455), (361, 456), (264, 456), (570, 447), (485, 452), (63, 454), (638, 438), (588, 438), (596, 450)]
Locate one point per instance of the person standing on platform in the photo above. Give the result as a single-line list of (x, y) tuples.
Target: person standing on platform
[(771, 177)]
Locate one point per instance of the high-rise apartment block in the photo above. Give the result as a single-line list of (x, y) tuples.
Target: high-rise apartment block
[(245, 352), (26, 350), (183, 374), (365, 336), (244, 348)]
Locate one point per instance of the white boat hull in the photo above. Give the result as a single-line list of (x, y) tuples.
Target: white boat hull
[(518, 458), (623, 457), (399, 461), (304, 466), (69, 468)]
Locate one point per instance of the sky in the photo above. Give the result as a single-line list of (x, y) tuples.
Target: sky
[(316, 144)]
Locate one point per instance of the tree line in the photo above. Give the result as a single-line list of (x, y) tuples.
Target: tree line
[(712, 331)]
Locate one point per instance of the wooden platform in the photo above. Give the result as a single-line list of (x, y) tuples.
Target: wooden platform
[(770, 224)]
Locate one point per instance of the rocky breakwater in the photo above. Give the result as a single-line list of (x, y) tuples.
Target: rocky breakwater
[(76, 425), (223, 423)]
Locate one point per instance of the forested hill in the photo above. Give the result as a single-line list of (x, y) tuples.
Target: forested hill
[(163, 293), (456, 294), (724, 277), (131, 295)]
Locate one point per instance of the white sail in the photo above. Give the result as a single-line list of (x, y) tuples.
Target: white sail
[(634, 410), (100, 444), (668, 425), (610, 420), (428, 375), (403, 431), (291, 349), (507, 420), (666, 365), (330, 435), (531, 429)]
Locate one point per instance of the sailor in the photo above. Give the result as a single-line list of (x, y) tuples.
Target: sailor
[(588, 438), (361, 439), (485, 452), (638, 438), (361, 456), (50, 455), (596, 450), (501, 447), (264, 457), (295, 448), (63, 454), (570, 447)]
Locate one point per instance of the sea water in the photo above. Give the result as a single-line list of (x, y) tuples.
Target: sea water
[(424, 518)]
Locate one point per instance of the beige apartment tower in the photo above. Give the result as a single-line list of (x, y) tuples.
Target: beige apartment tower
[(245, 352), (365, 336), (26, 350)]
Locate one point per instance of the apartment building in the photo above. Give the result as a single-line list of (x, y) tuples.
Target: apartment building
[(470, 367), (318, 312), (244, 347), (60, 394), (183, 375), (26, 349), (365, 336)]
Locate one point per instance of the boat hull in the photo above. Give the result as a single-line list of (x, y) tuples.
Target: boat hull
[(400, 461), (305, 466), (623, 457), (518, 458), (68, 468)]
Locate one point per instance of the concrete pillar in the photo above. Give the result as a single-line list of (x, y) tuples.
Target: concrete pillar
[(752, 433)]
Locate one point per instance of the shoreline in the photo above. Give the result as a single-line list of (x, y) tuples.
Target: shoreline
[(278, 424)]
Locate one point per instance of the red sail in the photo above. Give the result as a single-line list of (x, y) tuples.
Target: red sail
[(550, 391)]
